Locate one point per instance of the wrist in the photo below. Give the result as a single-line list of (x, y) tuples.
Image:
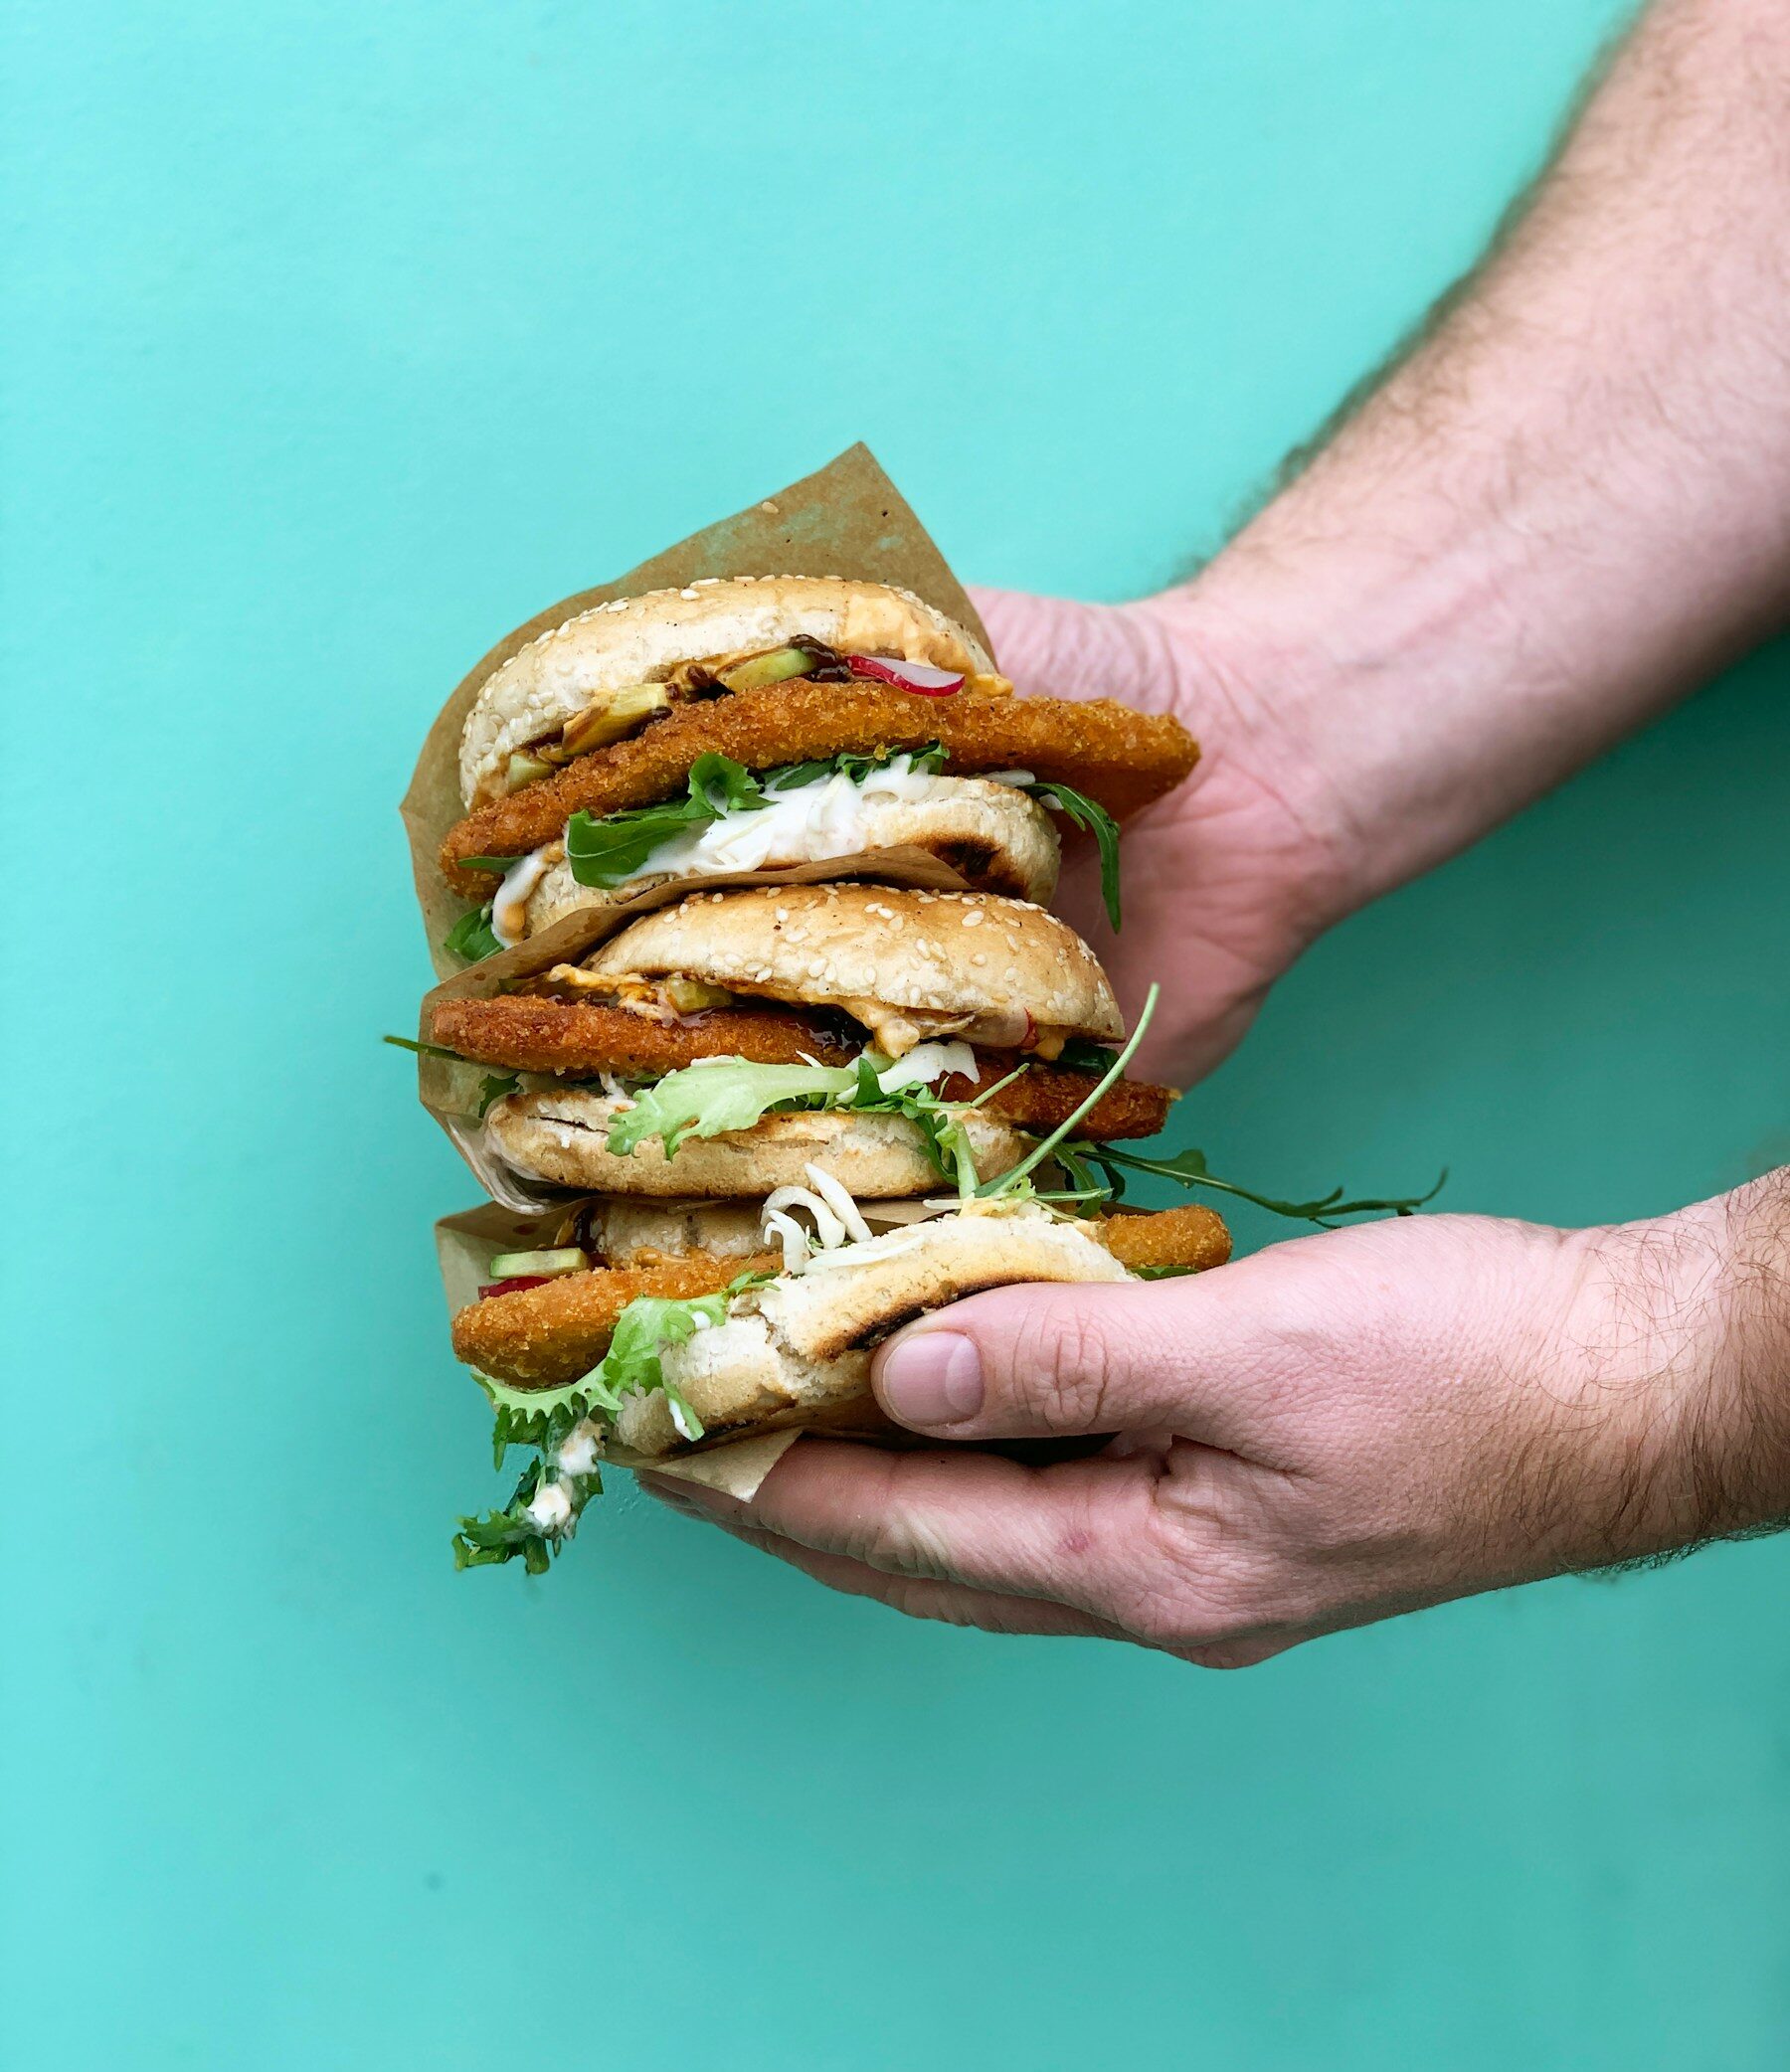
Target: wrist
[(1681, 1341)]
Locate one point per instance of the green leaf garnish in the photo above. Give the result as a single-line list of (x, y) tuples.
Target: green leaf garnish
[(1080, 1054), (471, 937), (710, 1098), (545, 1419), (1085, 813), (994, 1190), (606, 850), (424, 1050), (1190, 1169), (502, 865)]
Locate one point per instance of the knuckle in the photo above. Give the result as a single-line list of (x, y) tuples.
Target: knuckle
[(1063, 1366)]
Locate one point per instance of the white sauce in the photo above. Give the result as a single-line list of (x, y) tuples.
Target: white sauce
[(579, 1453), (550, 1509), (805, 825), (509, 910)]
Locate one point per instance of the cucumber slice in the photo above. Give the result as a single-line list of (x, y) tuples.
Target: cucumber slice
[(566, 1259), (760, 669)]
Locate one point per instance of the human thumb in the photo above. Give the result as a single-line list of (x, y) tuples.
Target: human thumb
[(1059, 647), (1043, 1361)]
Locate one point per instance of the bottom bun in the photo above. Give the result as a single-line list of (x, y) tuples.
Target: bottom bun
[(562, 1137), (800, 1346)]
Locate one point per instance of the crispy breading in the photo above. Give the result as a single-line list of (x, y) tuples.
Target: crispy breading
[(1193, 1237), (1045, 1097), (1123, 758), (542, 1338), (525, 1032)]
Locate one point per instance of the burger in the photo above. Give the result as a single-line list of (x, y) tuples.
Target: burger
[(653, 1335), (767, 723), (718, 1047), (804, 1055)]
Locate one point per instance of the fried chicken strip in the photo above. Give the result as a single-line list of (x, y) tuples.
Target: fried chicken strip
[(1123, 758), (1192, 1238)]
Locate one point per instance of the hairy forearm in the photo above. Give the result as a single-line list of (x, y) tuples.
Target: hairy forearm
[(1571, 502), (1680, 1342)]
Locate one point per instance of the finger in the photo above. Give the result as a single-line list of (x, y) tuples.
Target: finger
[(1077, 1533), (917, 1596), (1060, 647), (1041, 1361)]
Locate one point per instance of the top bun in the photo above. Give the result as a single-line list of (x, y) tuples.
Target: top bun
[(942, 952), (642, 639)]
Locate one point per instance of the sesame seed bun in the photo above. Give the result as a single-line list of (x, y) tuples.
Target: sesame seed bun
[(948, 954), (561, 1137), (642, 639)]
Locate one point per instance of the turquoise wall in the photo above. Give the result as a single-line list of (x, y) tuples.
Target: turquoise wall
[(343, 337)]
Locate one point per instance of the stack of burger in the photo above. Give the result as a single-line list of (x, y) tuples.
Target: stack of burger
[(805, 1055)]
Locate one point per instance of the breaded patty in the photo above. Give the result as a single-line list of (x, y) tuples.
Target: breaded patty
[(1193, 1237), (1123, 758), (524, 1032), (542, 1338)]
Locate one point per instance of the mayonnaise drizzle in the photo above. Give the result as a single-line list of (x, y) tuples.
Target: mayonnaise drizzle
[(509, 910)]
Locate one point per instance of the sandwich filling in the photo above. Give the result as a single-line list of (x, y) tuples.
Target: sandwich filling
[(619, 713), (994, 829)]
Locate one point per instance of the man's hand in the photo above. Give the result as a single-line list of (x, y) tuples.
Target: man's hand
[(1331, 1432), (1229, 877), (1560, 511)]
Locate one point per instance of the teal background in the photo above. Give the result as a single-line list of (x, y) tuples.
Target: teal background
[(343, 337)]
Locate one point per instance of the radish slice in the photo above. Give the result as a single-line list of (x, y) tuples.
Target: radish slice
[(919, 677), (510, 1287)]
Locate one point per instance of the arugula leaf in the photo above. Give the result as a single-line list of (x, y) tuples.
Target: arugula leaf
[(1087, 813), (1190, 1169), (495, 1087), (424, 1050), (502, 865), (1082, 1054), (926, 762), (471, 937), (993, 1190), (606, 850)]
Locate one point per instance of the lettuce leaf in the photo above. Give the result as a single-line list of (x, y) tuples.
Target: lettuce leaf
[(706, 1100), (709, 1099), (544, 1418)]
